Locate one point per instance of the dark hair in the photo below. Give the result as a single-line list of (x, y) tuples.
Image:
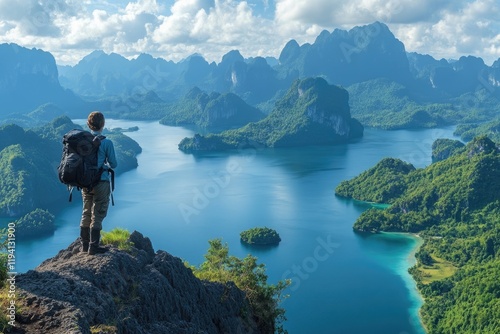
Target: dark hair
[(95, 121)]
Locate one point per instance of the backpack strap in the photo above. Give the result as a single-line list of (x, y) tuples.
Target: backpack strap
[(112, 174), (70, 189)]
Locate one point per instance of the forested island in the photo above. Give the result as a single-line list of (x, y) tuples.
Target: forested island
[(454, 205), (260, 236)]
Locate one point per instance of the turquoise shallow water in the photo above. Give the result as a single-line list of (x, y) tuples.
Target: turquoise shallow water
[(342, 282)]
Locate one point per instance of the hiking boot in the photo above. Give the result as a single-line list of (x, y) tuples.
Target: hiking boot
[(84, 239), (94, 248)]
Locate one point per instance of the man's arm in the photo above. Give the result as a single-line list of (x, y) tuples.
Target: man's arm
[(110, 155)]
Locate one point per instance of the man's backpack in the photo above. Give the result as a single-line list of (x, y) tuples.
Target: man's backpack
[(78, 167)]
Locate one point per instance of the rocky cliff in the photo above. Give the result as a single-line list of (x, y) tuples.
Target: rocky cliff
[(29, 78), (127, 292)]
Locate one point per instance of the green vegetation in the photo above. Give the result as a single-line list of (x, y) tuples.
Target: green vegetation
[(385, 104), (34, 224), (471, 130), (103, 329), (250, 277), (26, 171), (118, 237), (211, 110), (389, 175), (437, 270), (260, 236), (444, 148), (312, 112), (454, 204), (129, 129), (465, 302), (451, 188), (13, 192)]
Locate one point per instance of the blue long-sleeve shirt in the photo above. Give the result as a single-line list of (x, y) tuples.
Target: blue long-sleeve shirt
[(106, 156)]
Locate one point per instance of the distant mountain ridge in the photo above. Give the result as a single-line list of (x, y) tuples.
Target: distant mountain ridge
[(347, 57), (100, 74), (364, 59), (435, 92), (342, 57)]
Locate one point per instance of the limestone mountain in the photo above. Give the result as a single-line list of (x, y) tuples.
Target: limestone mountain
[(311, 113), (99, 74), (252, 79), (139, 291), (346, 57), (212, 110), (28, 79)]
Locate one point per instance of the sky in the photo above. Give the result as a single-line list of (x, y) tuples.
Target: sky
[(176, 29)]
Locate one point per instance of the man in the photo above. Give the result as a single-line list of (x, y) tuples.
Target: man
[(96, 201)]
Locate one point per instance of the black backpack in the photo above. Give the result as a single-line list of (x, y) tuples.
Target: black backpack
[(78, 166)]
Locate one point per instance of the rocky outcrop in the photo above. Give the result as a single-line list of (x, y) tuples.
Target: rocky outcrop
[(127, 292), (481, 144)]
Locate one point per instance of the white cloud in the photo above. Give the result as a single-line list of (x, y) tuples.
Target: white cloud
[(328, 13), (472, 30), (215, 28), (172, 29)]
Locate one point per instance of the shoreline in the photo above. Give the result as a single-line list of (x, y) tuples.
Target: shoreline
[(415, 296)]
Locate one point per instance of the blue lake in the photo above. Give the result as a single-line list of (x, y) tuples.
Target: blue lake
[(342, 282)]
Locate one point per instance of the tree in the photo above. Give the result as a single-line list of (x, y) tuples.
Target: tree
[(250, 277)]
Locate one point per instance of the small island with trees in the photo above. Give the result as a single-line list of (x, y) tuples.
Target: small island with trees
[(260, 236)]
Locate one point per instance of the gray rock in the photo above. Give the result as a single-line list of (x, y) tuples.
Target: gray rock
[(119, 292)]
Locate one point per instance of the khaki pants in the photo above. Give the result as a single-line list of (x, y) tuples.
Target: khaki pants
[(95, 205)]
